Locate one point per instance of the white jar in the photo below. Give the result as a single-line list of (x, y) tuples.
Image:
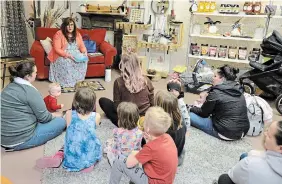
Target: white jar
[(82, 8), (108, 75)]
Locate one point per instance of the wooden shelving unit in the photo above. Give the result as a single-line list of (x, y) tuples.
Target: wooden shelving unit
[(131, 25), (158, 46)]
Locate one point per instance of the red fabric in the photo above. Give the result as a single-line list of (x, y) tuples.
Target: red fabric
[(51, 103), (159, 160), (96, 59), (94, 69)]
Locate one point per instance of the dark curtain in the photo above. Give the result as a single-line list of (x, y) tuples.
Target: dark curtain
[(14, 41)]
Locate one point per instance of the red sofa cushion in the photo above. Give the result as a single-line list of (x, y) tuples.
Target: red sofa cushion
[(96, 59), (42, 33), (98, 35)]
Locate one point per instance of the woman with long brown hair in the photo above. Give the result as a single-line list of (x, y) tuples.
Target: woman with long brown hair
[(68, 56), (132, 86)]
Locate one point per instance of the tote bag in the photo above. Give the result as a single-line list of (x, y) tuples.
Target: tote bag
[(89, 44)]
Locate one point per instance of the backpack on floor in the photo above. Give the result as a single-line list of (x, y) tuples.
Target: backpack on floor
[(255, 115)]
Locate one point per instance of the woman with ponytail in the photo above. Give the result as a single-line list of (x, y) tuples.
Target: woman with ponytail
[(132, 86), (25, 121), (224, 113)]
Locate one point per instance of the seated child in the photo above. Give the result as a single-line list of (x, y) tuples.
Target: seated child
[(174, 86), (82, 149), (200, 101), (51, 99), (178, 129), (127, 137), (158, 157), (87, 84)]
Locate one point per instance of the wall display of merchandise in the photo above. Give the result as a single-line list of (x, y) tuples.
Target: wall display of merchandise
[(223, 52), (228, 32), (165, 35)]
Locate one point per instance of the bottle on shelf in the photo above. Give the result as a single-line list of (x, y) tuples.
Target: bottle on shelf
[(201, 6), (212, 6), (207, 6)]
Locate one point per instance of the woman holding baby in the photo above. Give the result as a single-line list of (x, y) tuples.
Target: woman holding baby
[(224, 112)]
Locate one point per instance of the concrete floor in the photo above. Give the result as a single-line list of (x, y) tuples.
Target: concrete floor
[(19, 166)]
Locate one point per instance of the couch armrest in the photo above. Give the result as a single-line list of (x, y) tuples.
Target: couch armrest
[(109, 52), (38, 53)]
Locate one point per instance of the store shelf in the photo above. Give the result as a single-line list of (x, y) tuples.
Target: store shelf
[(131, 25), (241, 14), (158, 46), (219, 59), (226, 38), (277, 16)]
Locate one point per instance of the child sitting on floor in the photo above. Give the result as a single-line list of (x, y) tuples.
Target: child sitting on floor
[(127, 137), (51, 99), (86, 84), (174, 86), (82, 149), (158, 156), (178, 129)]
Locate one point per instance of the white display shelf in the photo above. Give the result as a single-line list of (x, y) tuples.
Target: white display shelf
[(241, 14), (219, 59), (277, 16), (226, 38)]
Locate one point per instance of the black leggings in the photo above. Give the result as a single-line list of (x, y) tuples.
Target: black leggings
[(225, 179), (109, 109)]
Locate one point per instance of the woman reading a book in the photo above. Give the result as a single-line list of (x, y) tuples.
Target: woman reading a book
[(68, 56)]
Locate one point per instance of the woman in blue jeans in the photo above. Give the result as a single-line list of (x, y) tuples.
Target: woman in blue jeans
[(224, 113), (25, 121)]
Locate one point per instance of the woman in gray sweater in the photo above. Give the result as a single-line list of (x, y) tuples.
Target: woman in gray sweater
[(25, 121), (260, 167)]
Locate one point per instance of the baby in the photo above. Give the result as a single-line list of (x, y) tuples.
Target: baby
[(199, 102), (51, 99)]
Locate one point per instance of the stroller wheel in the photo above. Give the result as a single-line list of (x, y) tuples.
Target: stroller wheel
[(248, 88), (278, 104)]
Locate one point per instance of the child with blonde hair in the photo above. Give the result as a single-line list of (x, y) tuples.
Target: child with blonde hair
[(82, 149), (51, 99), (158, 156), (178, 129), (127, 137)]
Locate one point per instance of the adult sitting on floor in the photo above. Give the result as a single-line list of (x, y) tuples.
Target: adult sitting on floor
[(265, 167), (226, 105), (132, 86), (25, 120)]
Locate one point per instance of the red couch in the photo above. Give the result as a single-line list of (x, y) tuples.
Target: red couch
[(96, 64)]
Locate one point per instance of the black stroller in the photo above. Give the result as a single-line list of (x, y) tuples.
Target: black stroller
[(267, 76)]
